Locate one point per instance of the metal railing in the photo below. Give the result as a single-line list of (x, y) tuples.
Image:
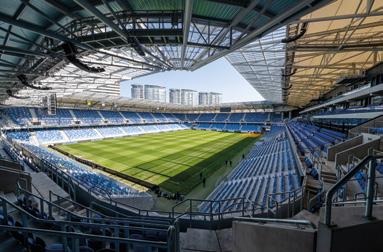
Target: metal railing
[(216, 209), (60, 227), (72, 239), (50, 206), (369, 160), (297, 223), (289, 200)]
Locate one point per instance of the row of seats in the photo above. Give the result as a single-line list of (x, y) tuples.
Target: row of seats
[(312, 142), (90, 179), (270, 167), (356, 109), (48, 136), (347, 122), (231, 117), (29, 213), (314, 139), (231, 127), (23, 116)]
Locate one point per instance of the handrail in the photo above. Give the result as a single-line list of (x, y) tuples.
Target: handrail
[(370, 186), (290, 194), (88, 209), (211, 202), (125, 219), (355, 202), (77, 236), (169, 229), (282, 221), (154, 226), (244, 202)]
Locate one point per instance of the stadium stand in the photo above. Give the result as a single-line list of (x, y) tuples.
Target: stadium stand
[(88, 116), (313, 138), (62, 117), (112, 116), (221, 117), (133, 117), (20, 115), (81, 134), (236, 117), (19, 135), (256, 117), (98, 182), (111, 131), (310, 178), (270, 167), (49, 136)]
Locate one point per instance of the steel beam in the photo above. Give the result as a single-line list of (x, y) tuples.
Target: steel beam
[(40, 30), (63, 9), (340, 17), (186, 28), (299, 10), (244, 4), (22, 51), (237, 19), (94, 11)]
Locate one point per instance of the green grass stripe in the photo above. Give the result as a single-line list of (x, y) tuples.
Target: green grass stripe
[(172, 160)]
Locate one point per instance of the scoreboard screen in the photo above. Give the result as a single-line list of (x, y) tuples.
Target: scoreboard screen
[(225, 109)]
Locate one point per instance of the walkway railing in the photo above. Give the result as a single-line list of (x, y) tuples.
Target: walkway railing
[(290, 200), (369, 160), (69, 232), (193, 209), (297, 223)]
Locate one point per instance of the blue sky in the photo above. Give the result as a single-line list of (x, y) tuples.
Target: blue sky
[(218, 76)]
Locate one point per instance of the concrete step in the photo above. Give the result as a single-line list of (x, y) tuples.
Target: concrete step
[(44, 184), (329, 177), (306, 215), (206, 240), (81, 212)]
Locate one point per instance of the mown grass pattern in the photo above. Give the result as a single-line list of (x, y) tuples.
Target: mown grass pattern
[(172, 160)]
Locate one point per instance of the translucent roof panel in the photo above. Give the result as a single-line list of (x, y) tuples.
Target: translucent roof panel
[(343, 39), (261, 64), (126, 38)]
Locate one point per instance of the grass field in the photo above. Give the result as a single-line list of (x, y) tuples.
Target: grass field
[(172, 160)]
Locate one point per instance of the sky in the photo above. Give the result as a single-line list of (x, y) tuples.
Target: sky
[(218, 76)]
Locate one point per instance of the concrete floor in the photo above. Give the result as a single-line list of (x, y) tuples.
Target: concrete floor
[(206, 240)]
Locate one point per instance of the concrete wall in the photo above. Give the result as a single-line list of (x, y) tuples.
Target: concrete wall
[(359, 151), (10, 164), (363, 128), (10, 177), (257, 237), (365, 237), (351, 232), (332, 151)]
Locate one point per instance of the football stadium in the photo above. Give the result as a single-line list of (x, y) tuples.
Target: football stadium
[(86, 168)]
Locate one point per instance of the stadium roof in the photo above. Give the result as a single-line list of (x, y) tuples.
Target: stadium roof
[(261, 63), (41, 41), (343, 39)]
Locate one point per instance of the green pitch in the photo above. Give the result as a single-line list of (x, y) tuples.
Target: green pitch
[(172, 160)]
